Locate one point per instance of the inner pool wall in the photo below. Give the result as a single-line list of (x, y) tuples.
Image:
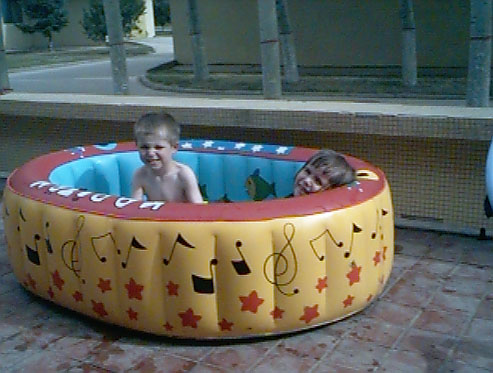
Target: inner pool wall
[(433, 156)]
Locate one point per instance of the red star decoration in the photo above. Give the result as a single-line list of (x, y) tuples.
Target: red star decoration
[(134, 290), (322, 284), (348, 301), (384, 252), (251, 303), (104, 285), (172, 288), (353, 275), (188, 318), (57, 280), (132, 315), (376, 258), (31, 281), (78, 296), (99, 308), (225, 325), (168, 326), (310, 313), (370, 297), (277, 313), (51, 293)]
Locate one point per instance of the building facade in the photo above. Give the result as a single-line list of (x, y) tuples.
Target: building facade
[(70, 35), (332, 33)]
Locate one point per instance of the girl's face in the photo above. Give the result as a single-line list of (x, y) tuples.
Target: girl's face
[(155, 150), (311, 179)]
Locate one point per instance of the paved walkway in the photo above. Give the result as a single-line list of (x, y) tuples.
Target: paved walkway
[(435, 315)]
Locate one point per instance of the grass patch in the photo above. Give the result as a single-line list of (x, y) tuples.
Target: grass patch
[(176, 77), (16, 60)]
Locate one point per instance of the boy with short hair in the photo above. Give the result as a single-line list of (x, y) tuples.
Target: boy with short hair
[(326, 169), (161, 178)]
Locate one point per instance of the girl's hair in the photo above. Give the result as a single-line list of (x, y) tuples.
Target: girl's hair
[(339, 171), (150, 123)]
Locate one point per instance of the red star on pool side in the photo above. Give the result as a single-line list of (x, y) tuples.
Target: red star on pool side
[(310, 313), (370, 297), (57, 280), (168, 326), (348, 301), (353, 275), (188, 318), (277, 313), (134, 289), (172, 288), (99, 308), (322, 284), (384, 252), (225, 325), (78, 296), (31, 281), (51, 293), (104, 285), (132, 315), (376, 258), (251, 303)]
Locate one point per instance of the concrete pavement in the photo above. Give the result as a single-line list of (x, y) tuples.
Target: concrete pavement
[(93, 77)]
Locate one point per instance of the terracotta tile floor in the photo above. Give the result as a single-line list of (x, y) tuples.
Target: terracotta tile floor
[(435, 315)]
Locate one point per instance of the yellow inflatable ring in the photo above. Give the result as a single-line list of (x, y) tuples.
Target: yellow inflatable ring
[(218, 270)]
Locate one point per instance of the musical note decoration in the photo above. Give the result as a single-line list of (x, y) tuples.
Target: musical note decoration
[(21, 214), (33, 255), (377, 223), (71, 249), (313, 242), (49, 248), (204, 285), (179, 240), (134, 244), (95, 241), (281, 263), (241, 266)]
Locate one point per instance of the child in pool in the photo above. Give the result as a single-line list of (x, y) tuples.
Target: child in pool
[(161, 178), (326, 169)]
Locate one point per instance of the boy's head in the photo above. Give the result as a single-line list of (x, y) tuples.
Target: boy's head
[(161, 125), (324, 170)]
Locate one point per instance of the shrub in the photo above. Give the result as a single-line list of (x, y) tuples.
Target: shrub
[(94, 23)]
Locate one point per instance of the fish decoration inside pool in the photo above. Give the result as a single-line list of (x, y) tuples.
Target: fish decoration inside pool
[(258, 188)]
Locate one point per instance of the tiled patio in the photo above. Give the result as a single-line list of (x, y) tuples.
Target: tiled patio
[(435, 315)]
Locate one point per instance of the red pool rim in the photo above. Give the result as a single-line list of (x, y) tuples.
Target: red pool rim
[(32, 181)]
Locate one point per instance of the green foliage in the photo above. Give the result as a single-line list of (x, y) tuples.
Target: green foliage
[(44, 16), (94, 23), (161, 12)]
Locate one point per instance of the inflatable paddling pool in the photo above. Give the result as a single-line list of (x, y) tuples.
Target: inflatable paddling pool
[(250, 262)]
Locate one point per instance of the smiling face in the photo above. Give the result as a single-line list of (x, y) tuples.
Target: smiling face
[(311, 179), (156, 151), (324, 170)]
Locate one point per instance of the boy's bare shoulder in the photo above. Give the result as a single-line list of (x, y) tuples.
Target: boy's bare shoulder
[(184, 170)]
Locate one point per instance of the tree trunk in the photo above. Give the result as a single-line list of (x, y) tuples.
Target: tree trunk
[(287, 43), (409, 64), (200, 68), (117, 49), (269, 49), (479, 69), (4, 74)]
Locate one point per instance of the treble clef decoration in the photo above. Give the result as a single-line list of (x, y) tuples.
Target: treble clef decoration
[(71, 249), (281, 263)]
